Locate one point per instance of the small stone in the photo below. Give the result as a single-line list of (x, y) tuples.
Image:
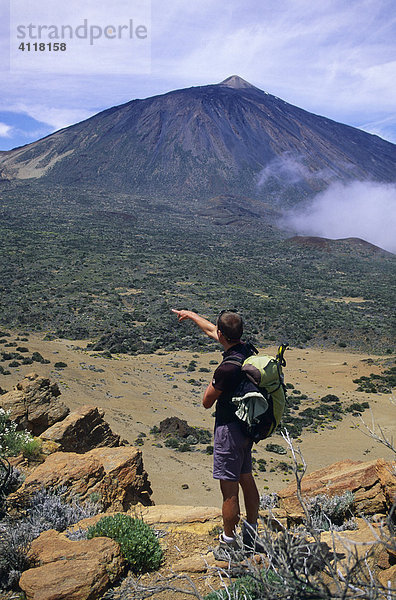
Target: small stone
[(185, 486), (197, 563)]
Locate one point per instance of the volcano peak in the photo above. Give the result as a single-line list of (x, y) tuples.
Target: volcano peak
[(237, 82)]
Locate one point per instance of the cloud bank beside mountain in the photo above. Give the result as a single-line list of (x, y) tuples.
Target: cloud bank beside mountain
[(289, 169), (365, 210)]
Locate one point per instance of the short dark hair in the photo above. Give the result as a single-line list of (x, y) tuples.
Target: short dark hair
[(230, 324)]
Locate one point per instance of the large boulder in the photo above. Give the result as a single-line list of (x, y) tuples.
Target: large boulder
[(373, 485), (197, 519), (33, 404), (175, 426), (81, 431), (115, 474), (71, 570)]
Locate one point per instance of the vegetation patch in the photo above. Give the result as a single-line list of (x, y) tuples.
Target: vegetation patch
[(46, 510), (180, 436), (138, 542), (60, 365), (66, 270), (373, 384), (275, 448), (13, 442), (246, 587), (319, 414), (335, 512)]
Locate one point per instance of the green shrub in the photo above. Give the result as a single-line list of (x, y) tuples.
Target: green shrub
[(243, 588), (184, 447), (32, 448), (383, 383), (37, 357), (203, 435), (333, 512), (12, 442), (172, 442), (330, 398), (138, 542), (275, 448), (357, 407)]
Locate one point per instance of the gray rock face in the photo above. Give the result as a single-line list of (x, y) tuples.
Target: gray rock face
[(34, 405)]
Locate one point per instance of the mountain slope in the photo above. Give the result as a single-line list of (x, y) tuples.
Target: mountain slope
[(202, 141)]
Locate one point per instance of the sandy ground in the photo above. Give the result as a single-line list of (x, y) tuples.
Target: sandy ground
[(137, 392)]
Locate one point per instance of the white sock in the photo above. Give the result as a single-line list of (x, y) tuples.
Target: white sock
[(228, 539)]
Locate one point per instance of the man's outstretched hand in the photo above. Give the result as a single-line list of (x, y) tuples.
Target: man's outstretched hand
[(206, 326), (182, 315)]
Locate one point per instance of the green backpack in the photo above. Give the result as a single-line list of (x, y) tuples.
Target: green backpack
[(260, 398)]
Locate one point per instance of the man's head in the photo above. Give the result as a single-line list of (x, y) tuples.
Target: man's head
[(230, 325)]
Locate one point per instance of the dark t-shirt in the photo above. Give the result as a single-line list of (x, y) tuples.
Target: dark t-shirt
[(225, 379)]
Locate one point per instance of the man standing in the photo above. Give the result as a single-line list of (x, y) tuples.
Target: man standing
[(232, 455)]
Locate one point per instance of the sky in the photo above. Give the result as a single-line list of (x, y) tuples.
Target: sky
[(334, 58)]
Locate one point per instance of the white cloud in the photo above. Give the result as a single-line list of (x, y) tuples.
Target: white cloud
[(288, 169), (57, 118), (333, 58), (365, 210), (5, 130), (385, 128)]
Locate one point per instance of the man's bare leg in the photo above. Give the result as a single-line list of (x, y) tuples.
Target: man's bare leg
[(230, 509), (251, 497)]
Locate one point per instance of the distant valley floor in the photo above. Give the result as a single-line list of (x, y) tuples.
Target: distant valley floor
[(138, 392)]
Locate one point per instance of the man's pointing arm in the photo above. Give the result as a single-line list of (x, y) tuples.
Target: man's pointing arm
[(206, 326)]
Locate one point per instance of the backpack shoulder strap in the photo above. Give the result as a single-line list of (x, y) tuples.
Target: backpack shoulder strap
[(239, 360), (234, 360)]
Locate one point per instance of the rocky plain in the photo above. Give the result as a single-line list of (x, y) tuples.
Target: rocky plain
[(100, 419)]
